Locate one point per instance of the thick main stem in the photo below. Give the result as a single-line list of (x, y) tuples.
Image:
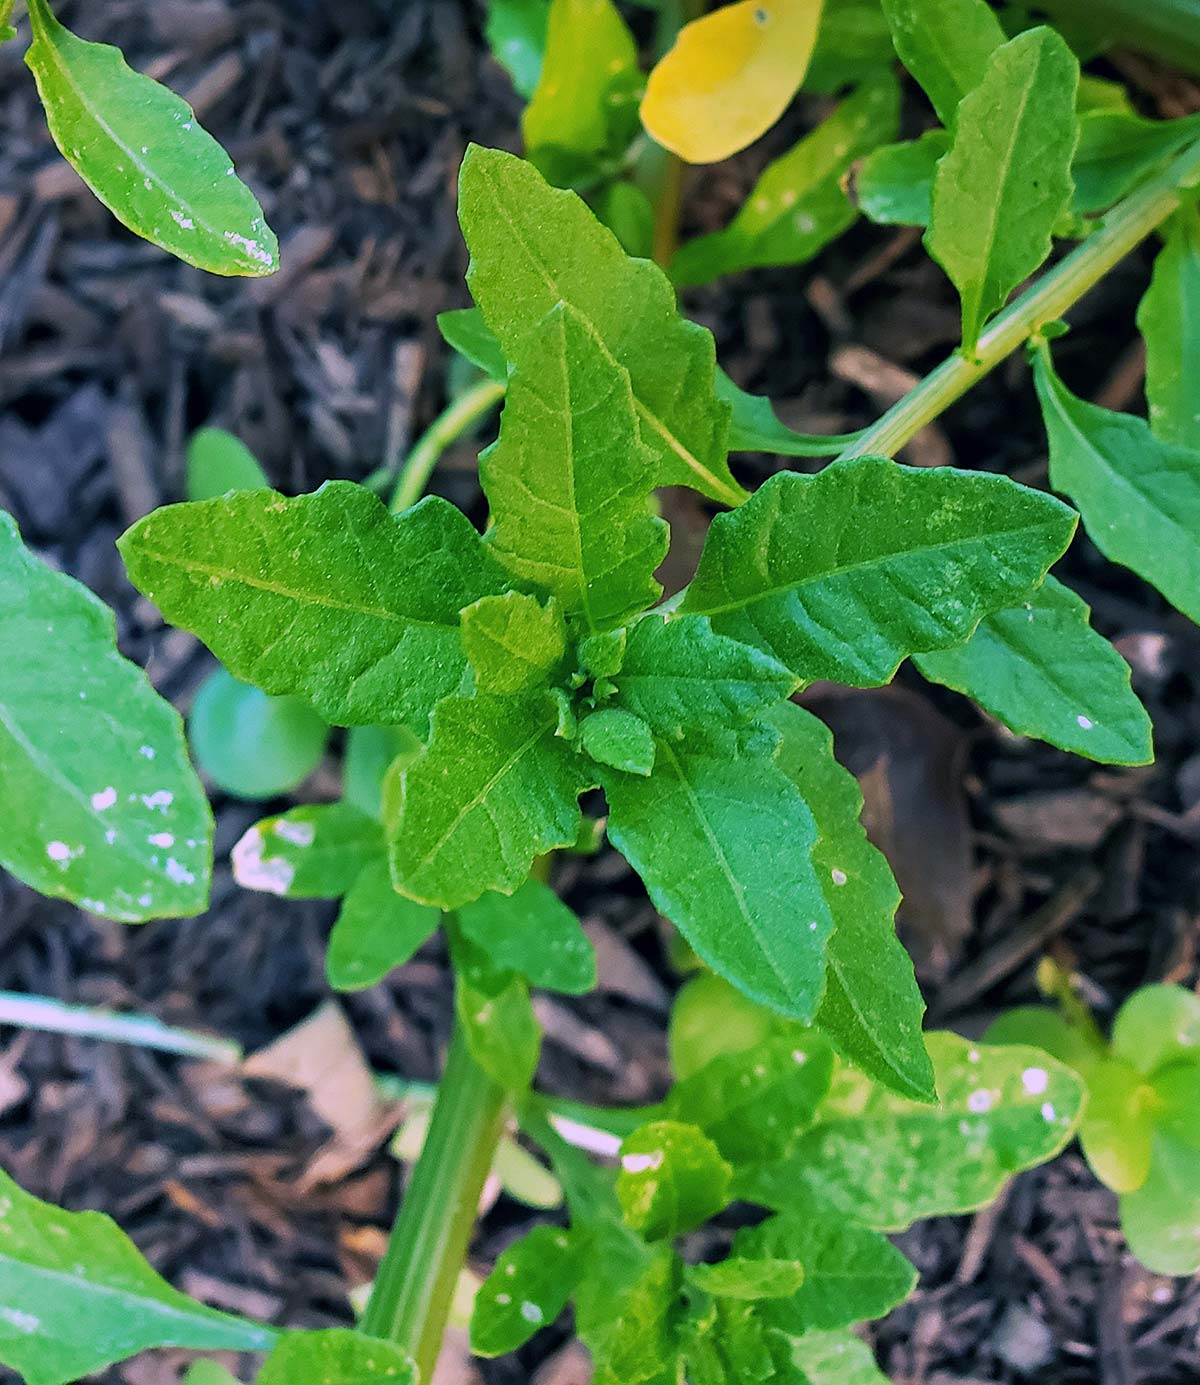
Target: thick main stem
[(414, 1289), (1125, 227)]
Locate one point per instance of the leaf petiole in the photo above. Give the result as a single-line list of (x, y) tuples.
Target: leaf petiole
[(459, 415)]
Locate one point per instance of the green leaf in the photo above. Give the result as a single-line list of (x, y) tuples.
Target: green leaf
[(755, 426), (852, 43), (811, 568), (494, 789), (747, 1278), (584, 110), (872, 1007), (516, 34), (833, 1358), (679, 676), (1139, 497), (569, 479), (624, 1307), (893, 186), (526, 1291), (103, 807), (752, 1104), (1177, 1100), (465, 330), (709, 1018), (1157, 1025), (602, 655), (1037, 1026), (327, 595), (250, 744), (946, 45), (1006, 181), (888, 1162), (1161, 1220), (724, 1341), (1043, 671), (851, 1273), (78, 1296), (619, 739), (140, 149), (376, 930), (314, 852), (1118, 150), (217, 463), (208, 1373), (672, 1179), (336, 1356), (370, 753), (1169, 319), (798, 204), (533, 247), (723, 844), (1118, 1124), (495, 1013), (533, 933), (629, 214), (513, 642)]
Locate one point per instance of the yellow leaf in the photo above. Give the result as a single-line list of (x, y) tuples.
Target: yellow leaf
[(730, 76)]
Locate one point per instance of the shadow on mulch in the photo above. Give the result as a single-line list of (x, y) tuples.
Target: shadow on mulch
[(351, 129)]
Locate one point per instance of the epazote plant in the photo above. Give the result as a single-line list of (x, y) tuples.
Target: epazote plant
[(491, 682)]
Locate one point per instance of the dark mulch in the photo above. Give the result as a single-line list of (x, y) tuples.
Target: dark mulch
[(350, 120)]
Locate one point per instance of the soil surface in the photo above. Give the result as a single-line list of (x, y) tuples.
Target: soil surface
[(350, 120)]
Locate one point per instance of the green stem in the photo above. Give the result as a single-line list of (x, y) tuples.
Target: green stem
[(414, 1289), (447, 428), (1125, 227)]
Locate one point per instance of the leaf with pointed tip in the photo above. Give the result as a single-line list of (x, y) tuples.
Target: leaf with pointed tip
[(1043, 671), (1169, 319), (494, 789), (844, 574), (316, 851), (465, 331), (218, 462), (569, 479), (327, 595), (494, 1011), (584, 110), (1117, 150), (945, 45), (872, 1007), (748, 1277), (893, 186), (337, 1356), (513, 642), (376, 930), (798, 204), (1139, 497), (533, 933), (619, 739), (888, 1162), (102, 806), (851, 1273), (526, 1291), (141, 150), (1006, 181), (755, 426), (724, 843), (671, 1180), (533, 247), (679, 676), (78, 1296)]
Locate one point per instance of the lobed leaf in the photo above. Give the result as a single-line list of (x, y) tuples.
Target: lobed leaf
[(1006, 181), (1043, 671), (513, 642), (678, 676), (533, 933), (533, 247), (526, 1291), (336, 1356), (729, 76), (78, 1296), (872, 1007), (888, 1162), (1139, 497), (798, 205), (327, 595), (111, 815), (376, 930), (569, 479), (843, 574), (946, 45), (1169, 319), (316, 851), (141, 150), (494, 789), (723, 844)]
